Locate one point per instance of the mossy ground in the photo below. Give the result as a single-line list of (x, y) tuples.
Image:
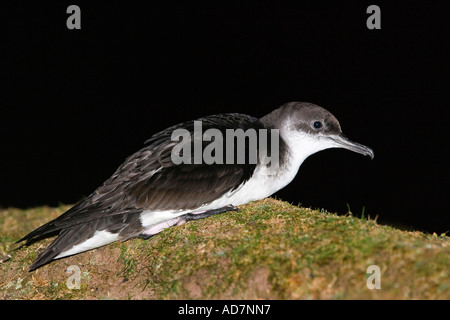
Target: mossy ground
[(268, 250)]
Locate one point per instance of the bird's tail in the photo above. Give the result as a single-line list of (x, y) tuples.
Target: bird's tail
[(58, 246), (74, 240), (89, 235)]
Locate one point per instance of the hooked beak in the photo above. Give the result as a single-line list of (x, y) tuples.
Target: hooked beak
[(343, 142)]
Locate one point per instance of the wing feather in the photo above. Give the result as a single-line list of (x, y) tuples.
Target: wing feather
[(149, 180)]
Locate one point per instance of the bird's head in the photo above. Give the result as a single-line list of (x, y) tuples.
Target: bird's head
[(309, 128)]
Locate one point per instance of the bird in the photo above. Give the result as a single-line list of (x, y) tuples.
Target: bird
[(149, 192)]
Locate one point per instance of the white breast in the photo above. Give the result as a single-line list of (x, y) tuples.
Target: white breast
[(264, 182)]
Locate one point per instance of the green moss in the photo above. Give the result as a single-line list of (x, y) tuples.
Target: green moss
[(269, 249)]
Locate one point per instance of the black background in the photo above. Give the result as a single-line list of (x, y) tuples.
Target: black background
[(76, 103)]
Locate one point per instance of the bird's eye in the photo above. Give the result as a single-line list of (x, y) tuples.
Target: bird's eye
[(317, 124)]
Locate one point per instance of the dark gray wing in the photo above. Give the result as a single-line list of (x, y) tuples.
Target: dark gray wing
[(149, 180)]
